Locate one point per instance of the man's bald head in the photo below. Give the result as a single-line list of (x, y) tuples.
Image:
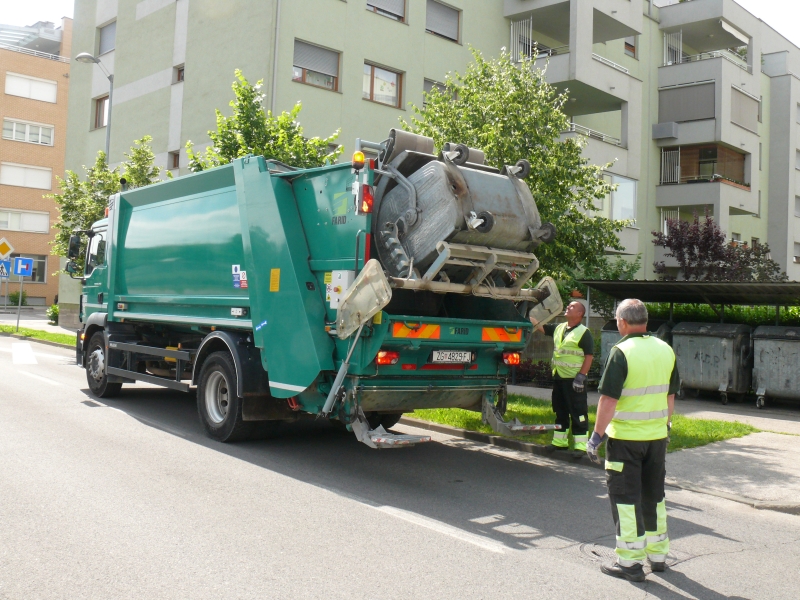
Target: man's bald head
[(574, 313)]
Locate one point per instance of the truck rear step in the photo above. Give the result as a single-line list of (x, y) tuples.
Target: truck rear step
[(492, 416), (380, 438)]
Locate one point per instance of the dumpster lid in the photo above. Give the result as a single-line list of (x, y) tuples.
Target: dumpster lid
[(721, 330), (772, 332), (703, 292)]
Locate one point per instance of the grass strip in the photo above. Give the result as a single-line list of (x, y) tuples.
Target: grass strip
[(687, 432), (67, 339)]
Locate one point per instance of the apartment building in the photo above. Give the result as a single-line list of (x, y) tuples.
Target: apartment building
[(694, 103), (34, 65)]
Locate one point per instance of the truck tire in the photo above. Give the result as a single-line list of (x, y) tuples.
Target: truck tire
[(218, 404), (96, 368)]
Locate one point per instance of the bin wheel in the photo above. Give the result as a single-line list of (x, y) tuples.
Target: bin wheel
[(724, 398), (463, 154), (681, 394), (760, 401), (96, 377), (388, 420), (525, 167)]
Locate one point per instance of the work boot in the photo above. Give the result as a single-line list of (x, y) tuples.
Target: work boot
[(634, 573), (657, 566)]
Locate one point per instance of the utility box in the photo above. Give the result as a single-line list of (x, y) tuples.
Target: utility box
[(610, 335), (776, 363), (713, 357)]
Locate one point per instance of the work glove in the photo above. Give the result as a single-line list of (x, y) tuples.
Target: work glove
[(593, 445), (579, 383), (669, 430)]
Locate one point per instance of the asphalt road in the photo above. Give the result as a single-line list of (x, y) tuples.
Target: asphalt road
[(128, 499)]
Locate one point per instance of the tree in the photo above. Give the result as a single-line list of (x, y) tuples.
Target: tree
[(81, 203), (253, 130), (704, 254), (511, 112), (607, 270)]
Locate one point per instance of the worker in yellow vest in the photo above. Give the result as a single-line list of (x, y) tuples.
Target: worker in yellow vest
[(634, 414), (573, 351)]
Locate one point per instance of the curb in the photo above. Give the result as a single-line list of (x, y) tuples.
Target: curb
[(38, 341), (495, 440)]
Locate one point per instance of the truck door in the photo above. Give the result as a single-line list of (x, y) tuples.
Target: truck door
[(94, 289)]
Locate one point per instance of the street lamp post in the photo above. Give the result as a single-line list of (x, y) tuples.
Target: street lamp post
[(85, 57)]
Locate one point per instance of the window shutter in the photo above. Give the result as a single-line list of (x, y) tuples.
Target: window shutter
[(744, 110), (44, 91), (24, 176), (442, 20), (34, 222), (429, 85), (316, 59), (29, 87), (18, 86), (396, 7), (108, 37), (688, 103)]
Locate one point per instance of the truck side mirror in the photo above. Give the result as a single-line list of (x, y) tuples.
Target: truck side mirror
[(71, 267), (74, 248)]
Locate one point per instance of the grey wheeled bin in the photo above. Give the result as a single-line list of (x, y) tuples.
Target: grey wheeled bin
[(610, 335), (776, 363), (713, 357)]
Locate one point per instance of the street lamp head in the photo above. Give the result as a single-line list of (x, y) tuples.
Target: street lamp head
[(85, 57)]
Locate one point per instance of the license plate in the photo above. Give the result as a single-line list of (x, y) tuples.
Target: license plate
[(451, 356)]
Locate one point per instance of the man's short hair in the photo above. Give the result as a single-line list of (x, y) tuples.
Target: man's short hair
[(632, 311)]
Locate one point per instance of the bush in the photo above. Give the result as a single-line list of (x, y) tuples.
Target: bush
[(539, 372), (745, 315), (52, 314), (13, 298)]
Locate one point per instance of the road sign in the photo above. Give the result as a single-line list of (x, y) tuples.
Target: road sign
[(5, 269), (23, 267), (5, 247)]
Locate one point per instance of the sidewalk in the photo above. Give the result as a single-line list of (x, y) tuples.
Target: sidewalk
[(32, 318)]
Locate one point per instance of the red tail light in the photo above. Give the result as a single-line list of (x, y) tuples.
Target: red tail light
[(511, 358), (366, 201), (387, 357)]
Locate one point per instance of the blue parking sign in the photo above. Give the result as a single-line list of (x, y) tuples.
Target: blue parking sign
[(23, 267)]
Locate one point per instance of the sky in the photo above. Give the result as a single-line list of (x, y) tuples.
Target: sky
[(782, 15)]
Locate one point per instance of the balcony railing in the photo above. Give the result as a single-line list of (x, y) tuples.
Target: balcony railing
[(729, 56), (30, 52), (591, 133), (610, 63), (668, 178)]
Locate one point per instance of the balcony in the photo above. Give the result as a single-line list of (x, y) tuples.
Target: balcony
[(608, 19), (601, 148)]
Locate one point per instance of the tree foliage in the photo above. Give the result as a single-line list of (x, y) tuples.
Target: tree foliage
[(253, 130), (82, 202), (511, 112), (704, 254), (619, 269)]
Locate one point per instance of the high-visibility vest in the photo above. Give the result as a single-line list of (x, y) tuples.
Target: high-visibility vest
[(642, 410), (567, 353)]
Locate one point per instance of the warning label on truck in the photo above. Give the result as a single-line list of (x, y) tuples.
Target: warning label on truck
[(274, 280)]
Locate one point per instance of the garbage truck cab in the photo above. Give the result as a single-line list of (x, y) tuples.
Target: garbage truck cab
[(356, 291)]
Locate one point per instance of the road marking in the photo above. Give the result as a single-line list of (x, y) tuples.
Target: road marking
[(42, 354), (40, 378), (22, 354)]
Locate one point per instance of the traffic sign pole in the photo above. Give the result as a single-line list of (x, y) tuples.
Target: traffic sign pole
[(19, 306)]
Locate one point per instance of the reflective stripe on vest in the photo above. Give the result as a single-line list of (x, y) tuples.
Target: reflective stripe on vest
[(642, 410), (567, 353)]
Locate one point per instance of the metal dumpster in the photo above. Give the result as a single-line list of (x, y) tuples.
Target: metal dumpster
[(713, 357), (610, 335), (776, 363)]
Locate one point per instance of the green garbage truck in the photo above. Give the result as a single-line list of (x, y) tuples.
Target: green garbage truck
[(354, 292)]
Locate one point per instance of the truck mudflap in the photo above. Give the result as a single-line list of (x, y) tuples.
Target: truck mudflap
[(493, 418), (380, 438)]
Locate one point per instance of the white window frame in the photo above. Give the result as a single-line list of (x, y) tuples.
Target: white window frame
[(28, 125), (29, 78), (21, 212), (33, 167)]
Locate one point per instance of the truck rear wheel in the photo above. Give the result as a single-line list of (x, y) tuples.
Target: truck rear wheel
[(218, 403), (96, 368)]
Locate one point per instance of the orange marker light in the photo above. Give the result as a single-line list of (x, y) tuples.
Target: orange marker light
[(387, 357), (358, 160), (511, 358)]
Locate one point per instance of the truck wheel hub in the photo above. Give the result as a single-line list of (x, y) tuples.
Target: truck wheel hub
[(217, 397), (97, 364)]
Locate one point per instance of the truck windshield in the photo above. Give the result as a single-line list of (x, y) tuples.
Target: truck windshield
[(96, 254)]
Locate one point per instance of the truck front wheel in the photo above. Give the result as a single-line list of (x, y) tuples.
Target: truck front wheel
[(96, 358), (218, 403)]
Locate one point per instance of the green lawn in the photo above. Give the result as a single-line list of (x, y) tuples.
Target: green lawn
[(68, 339), (687, 432)]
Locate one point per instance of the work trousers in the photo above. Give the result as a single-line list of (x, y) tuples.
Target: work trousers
[(572, 412), (635, 473)]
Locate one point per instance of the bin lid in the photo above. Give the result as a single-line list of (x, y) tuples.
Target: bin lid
[(652, 325), (767, 332), (720, 330)]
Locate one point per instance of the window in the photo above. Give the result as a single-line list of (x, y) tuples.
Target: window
[(686, 103), (797, 159), (96, 254), (428, 86), (630, 46), (797, 206), (754, 242), (20, 131), (736, 237), (394, 9), (796, 252), (15, 220), (623, 199), (744, 110), (442, 20), (761, 109), (178, 74), (27, 176), (108, 38), (39, 268), (797, 118), (760, 154), (381, 85), (758, 214), (315, 66), (101, 112), (174, 160), (31, 87)]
